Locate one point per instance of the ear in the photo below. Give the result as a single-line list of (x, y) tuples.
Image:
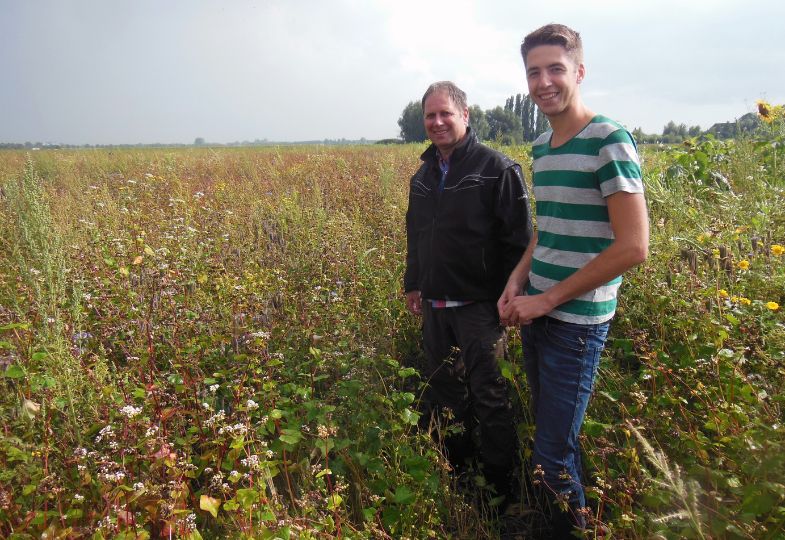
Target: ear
[(466, 116), (581, 73)]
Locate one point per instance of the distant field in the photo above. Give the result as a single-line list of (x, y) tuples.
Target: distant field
[(202, 343)]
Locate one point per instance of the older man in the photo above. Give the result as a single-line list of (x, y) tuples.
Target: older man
[(468, 224)]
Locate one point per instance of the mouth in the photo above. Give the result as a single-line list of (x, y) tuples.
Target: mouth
[(549, 95)]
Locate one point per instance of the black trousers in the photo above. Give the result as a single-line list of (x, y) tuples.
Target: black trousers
[(465, 385)]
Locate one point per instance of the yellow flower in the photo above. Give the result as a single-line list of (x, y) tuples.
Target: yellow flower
[(774, 306), (723, 293), (745, 301), (715, 253), (764, 111), (744, 265), (777, 250)]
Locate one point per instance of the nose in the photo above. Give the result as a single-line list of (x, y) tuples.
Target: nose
[(543, 79)]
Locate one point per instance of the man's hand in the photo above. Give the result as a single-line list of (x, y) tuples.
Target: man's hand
[(414, 302), (510, 293), (524, 309)]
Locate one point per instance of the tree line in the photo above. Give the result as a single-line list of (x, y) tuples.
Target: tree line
[(519, 121)]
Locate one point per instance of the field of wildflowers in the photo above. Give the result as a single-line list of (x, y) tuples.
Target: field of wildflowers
[(212, 343)]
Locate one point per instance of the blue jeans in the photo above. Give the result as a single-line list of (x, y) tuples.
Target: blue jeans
[(561, 362)]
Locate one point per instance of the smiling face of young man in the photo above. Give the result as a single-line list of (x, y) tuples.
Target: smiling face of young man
[(445, 123), (553, 77)]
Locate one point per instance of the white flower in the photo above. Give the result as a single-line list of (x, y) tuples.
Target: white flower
[(130, 411), (251, 404), (106, 432)]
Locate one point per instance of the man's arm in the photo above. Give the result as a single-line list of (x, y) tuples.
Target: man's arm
[(513, 212), (517, 280), (410, 277), (630, 224)]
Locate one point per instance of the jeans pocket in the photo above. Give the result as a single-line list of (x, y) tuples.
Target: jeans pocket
[(568, 336)]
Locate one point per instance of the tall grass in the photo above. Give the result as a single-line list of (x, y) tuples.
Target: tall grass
[(214, 344)]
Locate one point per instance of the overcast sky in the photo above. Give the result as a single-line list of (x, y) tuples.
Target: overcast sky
[(145, 71)]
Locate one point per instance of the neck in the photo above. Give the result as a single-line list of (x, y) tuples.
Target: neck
[(569, 123), (445, 153)]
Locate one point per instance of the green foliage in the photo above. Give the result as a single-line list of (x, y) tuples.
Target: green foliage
[(479, 123), (230, 334), (411, 123), (505, 127)]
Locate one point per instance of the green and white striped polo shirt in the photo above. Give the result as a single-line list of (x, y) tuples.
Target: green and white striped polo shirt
[(570, 186)]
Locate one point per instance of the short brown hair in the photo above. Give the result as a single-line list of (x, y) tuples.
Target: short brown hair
[(457, 95), (554, 34)]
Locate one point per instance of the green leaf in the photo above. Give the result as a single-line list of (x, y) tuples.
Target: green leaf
[(403, 495), (334, 501), (247, 497), (407, 372), (209, 504), (291, 436), (410, 417), (323, 472), (758, 503), (608, 396), (14, 371), (231, 505), (594, 429), (325, 445), (14, 326), (390, 516)]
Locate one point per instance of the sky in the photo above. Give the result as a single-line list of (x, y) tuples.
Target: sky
[(148, 71)]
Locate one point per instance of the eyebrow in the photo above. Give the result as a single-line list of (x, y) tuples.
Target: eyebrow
[(549, 66)]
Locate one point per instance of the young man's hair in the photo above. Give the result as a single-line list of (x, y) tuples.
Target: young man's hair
[(457, 95), (554, 34)]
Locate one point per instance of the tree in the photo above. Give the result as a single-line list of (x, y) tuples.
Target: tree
[(199, 141), (542, 124), (505, 127), (479, 123), (411, 123)]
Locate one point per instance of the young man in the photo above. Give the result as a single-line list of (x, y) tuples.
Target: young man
[(592, 226), (467, 226)]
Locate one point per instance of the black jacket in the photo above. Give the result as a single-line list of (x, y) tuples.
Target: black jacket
[(464, 242)]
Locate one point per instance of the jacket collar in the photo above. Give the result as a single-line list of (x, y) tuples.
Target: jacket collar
[(468, 142)]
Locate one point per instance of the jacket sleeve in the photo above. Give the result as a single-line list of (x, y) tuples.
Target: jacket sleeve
[(411, 274), (513, 211)]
